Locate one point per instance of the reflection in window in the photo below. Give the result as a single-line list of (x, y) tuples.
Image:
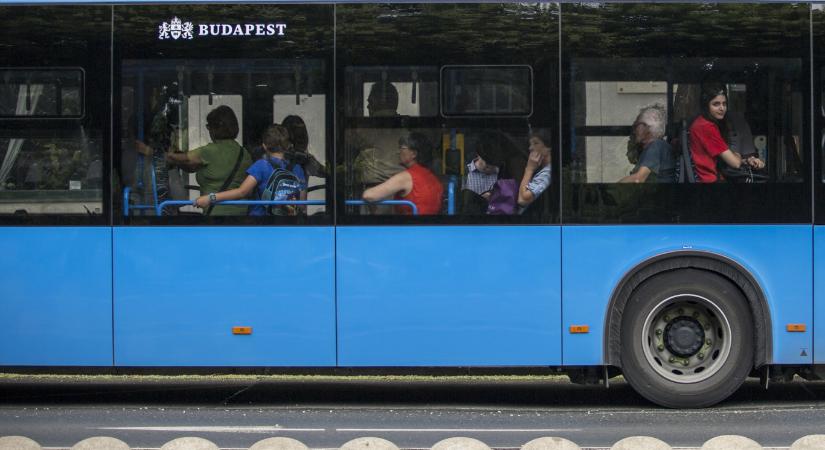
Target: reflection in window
[(41, 93), (50, 176), (487, 90)]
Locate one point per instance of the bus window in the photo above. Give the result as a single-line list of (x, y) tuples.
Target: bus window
[(487, 91), (645, 146), (41, 93), (460, 99), (194, 128), (54, 116)]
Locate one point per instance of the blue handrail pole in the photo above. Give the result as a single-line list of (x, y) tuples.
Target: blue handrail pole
[(126, 191), (385, 202), (154, 182), (451, 196)]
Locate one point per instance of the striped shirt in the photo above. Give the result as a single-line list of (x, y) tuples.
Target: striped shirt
[(478, 181)]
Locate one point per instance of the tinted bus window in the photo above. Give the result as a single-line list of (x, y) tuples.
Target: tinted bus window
[(54, 115), (212, 95), (469, 92), (487, 90), (41, 93), (671, 122), (818, 15)]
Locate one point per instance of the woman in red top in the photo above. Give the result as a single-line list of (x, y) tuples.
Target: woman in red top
[(416, 184), (708, 138)]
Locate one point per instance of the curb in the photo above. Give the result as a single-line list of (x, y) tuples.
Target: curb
[(727, 442)]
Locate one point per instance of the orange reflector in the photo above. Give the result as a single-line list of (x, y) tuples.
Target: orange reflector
[(579, 329), (795, 327), (241, 330)]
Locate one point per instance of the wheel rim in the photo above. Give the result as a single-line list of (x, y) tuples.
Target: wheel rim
[(686, 338)]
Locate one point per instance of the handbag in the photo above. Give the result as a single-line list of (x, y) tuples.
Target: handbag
[(503, 197), (743, 174)]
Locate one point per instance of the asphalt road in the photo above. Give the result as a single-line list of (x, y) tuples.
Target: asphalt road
[(146, 412)]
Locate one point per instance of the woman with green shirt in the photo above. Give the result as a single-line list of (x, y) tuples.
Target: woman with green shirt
[(214, 163)]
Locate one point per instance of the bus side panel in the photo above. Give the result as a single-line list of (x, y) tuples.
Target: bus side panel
[(179, 291), (56, 307), (448, 296), (778, 257), (818, 325)]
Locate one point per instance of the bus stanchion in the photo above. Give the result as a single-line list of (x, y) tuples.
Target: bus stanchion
[(451, 196)]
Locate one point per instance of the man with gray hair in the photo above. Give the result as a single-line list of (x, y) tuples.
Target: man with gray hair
[(656, 162)]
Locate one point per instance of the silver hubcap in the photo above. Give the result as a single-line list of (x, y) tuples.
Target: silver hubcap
[(686, 338)]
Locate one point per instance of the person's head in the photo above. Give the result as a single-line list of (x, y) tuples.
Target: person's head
[(714, 101), (414, 148), (276, 139), (298, 134), (540, 141), (222, 123), (490, 155), (383, 99), (650, 124)]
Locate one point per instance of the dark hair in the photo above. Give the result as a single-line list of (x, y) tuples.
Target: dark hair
[(222, 123), (383, 96), (298, 134), (544, 135), (420, 144), (489, 148), (276, 138), (709, 92)]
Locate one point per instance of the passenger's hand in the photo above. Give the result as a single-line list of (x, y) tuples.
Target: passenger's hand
[(143, 149), (755, 162), (534, 160), (202, 201)]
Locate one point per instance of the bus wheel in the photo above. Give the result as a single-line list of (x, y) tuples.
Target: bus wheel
[(686, 339)]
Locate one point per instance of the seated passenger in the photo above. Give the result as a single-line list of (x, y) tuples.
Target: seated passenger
[(482, 171), (656, 163), (416, 184), (537, 172), (376, 147), (219, 165), (709, 139), (275, 142)]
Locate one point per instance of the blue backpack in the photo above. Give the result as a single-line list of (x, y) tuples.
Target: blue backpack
[(282, 185)]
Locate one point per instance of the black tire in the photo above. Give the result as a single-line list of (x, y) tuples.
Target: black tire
[(665, 320)]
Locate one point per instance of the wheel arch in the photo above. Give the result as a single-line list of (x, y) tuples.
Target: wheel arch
[(689, 259)]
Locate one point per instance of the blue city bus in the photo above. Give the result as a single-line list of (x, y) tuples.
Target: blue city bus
[(685, 288)]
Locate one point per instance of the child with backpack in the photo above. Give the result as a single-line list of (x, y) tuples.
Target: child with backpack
[(273, 175)]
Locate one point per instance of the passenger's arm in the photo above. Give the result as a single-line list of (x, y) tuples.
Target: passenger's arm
[(238, 193), (525, 196), (731, 158), (189, 161), (400, 183), (639, 177)]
